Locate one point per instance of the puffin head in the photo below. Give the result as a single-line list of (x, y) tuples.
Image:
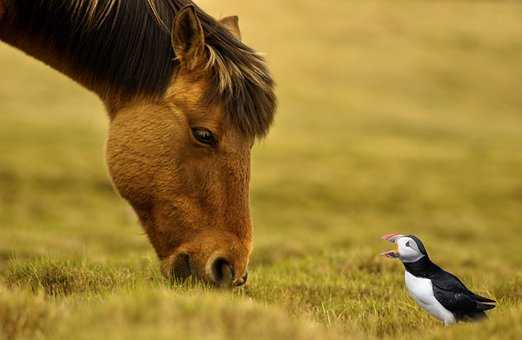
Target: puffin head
[(409, 248)]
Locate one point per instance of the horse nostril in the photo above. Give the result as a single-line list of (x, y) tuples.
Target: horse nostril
[(222, 272), (181, 268)]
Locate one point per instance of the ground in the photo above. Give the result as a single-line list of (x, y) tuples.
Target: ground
[(400, 116)]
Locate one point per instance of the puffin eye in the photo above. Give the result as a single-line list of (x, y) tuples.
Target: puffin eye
[(408, 244), (204, 136)]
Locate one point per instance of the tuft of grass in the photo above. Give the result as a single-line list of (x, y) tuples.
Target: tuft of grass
[(162, 314), (147, 312), (65, 277)]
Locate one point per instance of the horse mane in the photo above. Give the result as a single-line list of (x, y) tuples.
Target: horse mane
[(123, 48)]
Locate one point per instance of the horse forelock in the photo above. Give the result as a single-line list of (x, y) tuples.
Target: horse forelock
[(240, 79), (242, 82)]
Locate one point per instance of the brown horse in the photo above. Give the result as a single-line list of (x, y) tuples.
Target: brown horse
[(186, 100)]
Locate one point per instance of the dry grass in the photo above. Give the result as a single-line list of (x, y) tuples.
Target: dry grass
[(395, 116)]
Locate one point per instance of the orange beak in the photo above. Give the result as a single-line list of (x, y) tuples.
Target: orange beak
[(391, 238)]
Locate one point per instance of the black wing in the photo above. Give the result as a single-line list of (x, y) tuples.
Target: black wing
[(455, 297), (484, 299)]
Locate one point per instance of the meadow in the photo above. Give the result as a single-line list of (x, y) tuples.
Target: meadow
[(401, 116)]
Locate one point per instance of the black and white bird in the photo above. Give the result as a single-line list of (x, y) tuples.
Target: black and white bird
[(440, 293)]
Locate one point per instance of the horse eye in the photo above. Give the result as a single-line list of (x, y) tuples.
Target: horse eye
[(204, 136)]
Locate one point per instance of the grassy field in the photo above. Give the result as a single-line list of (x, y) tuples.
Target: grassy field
[(395, 116)]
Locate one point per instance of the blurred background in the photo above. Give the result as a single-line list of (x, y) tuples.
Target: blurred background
[(401, 116)]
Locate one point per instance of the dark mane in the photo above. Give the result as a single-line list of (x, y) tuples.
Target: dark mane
[(123, 48)]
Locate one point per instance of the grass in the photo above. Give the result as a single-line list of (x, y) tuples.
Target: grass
[(400, 116)]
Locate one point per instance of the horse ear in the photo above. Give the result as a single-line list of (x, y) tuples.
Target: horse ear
[(188, 38), (232, 25)]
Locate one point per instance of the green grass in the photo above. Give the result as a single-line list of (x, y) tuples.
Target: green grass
[(395, 116)]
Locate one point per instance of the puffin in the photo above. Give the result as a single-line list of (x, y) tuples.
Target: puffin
[(440, 293)]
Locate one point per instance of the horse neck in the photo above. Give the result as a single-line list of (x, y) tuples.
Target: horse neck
[(41, 50), (2, 9), (38, 50), (35, 50)]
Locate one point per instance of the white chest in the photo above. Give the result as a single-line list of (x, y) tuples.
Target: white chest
[(421, 290)]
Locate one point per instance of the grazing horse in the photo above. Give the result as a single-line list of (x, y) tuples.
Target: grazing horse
[(186, 101)]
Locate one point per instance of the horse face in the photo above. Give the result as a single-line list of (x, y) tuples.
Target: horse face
[(185, 170)]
